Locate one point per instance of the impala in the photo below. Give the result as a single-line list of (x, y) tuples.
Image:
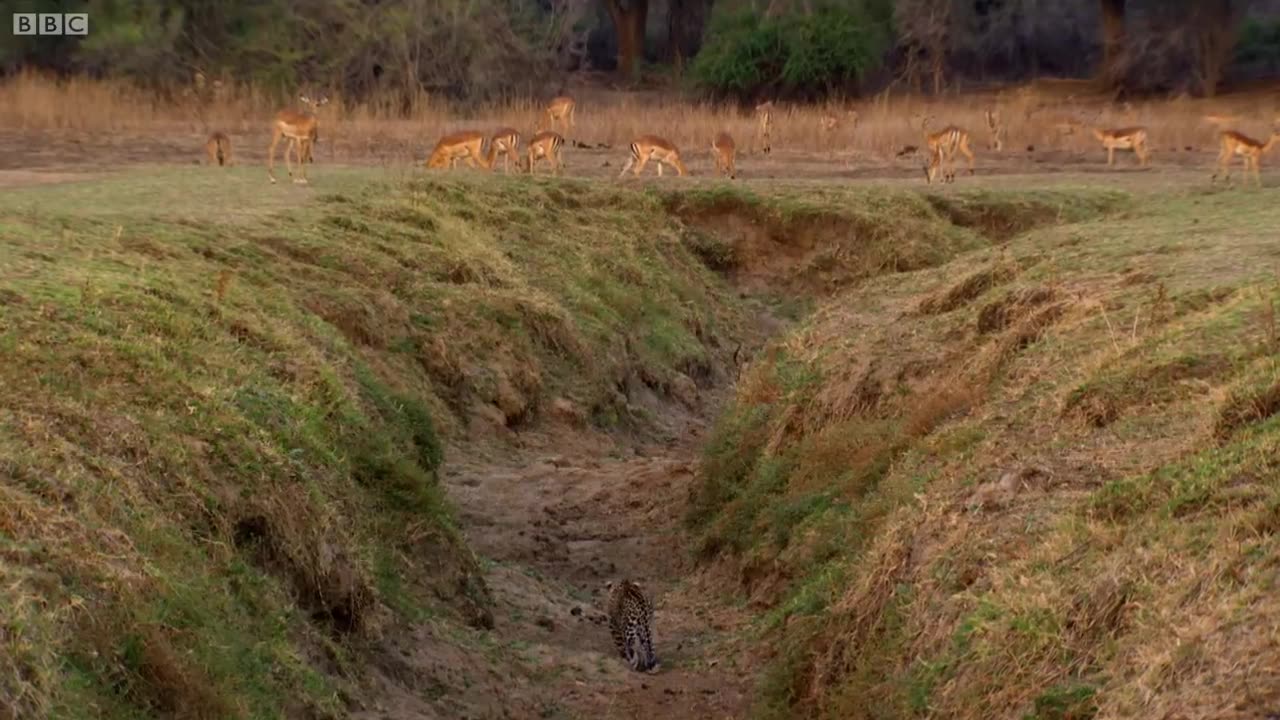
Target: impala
[(764, 119), (997, 130), (1250, 151), (302, 129), (545, 144), (465, 145), (560, 109), (1129, 138), (505, 142), (218, 149), (943, 146), (652, 147), (723, 152)]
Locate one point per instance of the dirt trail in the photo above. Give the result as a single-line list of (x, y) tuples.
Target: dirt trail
[(554, 522)]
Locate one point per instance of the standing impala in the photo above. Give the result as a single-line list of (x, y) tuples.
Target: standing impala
[(1250, 151), (942, 148), (764, 121), (560, 109), (1128, 138), (465, 145), (723, 152), (218, 148), (505, 142), (302, 129), (652, 147), (545, 144)]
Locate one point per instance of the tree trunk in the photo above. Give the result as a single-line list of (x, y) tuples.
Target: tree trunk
[(1214, 24), (1113, 42), (686, 24), (629, 20)]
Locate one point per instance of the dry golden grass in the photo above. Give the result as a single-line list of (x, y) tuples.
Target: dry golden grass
[(993, 560), (1033, 116)]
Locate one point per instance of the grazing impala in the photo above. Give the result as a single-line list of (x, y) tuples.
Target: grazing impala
[(560, 109), (764, 121), (302, 129), (943, 146), (545, 144), (652, 147), (465, 145), (219, 149), (505, 142), (1129, 138), (723, 152), (1250, 152)]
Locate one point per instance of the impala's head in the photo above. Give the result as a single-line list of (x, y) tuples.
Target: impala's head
[(315, 102), (930, 170)]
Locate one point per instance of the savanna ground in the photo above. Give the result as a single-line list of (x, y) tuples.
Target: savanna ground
[(999, 439)]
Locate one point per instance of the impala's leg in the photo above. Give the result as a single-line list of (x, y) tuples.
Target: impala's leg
[(630, 161), (288, 162), (639, 168), (1111, 156), (304, 151), (1223, 159), (554, 159), (271, 154), (660, 164), (964, 148)]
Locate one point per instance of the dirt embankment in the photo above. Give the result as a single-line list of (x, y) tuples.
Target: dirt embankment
[(301, 381), (1027, 483)]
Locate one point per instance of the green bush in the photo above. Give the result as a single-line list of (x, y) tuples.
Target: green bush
[(807, 56)]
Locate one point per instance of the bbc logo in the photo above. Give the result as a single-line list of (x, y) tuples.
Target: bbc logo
[(51, 23)]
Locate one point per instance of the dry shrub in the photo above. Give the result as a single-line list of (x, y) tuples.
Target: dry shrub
[(1000, 314), (287, 537), (858, 617), (937, 402), (1096, 407), (1246, 408), (370, 319), (966, 290), (176, 685), (145, 664)]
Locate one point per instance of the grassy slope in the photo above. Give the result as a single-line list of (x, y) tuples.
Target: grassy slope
[(220, 402), (1037, 481)]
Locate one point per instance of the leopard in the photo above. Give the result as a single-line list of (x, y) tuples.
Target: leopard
[(631, 624)]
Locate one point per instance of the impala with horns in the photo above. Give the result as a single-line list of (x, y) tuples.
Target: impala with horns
[(302, 129)]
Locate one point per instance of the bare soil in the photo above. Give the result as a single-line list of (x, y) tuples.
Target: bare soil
[(568, 513)]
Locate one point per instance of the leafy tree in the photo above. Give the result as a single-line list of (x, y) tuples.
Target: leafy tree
[(805, 55)]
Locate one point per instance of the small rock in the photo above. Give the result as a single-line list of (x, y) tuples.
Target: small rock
[(576, 611), (546, 624)]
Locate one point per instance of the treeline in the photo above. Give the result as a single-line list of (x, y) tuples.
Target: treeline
[(492, 49)]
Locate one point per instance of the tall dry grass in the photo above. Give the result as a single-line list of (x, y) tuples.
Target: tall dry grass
[(1030, 117)]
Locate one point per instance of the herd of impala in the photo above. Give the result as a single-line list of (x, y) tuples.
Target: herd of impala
[(301, 130)]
